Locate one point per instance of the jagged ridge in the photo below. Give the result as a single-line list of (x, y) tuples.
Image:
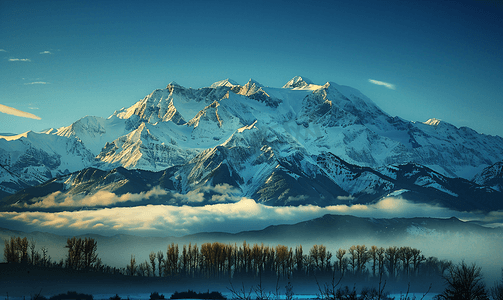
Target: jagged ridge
[(271, 143)]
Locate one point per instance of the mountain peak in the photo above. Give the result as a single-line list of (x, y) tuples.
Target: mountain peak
[(432, 122), (298, 82), (173, 83), (299, 127), (252, 81), (226, 82), (12, 136)]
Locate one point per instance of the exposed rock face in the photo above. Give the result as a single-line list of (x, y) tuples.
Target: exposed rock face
[(303, 143)]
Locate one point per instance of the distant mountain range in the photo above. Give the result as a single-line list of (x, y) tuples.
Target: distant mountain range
[(332, 230), (449, 239), (299, 144)]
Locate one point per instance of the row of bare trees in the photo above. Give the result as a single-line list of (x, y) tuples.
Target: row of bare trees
[(218, 260), (82, 253), (20, 250)]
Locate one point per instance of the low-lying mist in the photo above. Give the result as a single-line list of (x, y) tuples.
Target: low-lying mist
[(98, 213), (153, 227)]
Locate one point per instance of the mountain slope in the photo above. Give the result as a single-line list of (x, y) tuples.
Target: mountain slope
[(216, 176), (491, 176), (272, 144), (37, 157)]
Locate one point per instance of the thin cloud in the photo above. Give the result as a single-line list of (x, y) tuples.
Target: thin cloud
[(221, 193), (388, 85), (19, 59), (2, 50), (245, 214), (16, 112), (46, 52), (36, 82), (101, 198)]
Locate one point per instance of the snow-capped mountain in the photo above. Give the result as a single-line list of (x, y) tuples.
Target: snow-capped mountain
[(11, 183), (33, 158), (491, 176), (217, 177), (302, 142)]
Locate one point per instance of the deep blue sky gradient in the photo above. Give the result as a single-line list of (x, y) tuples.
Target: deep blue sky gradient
[(444, 57)]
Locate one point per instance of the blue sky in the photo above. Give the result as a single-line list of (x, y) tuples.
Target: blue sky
[(62, 60)]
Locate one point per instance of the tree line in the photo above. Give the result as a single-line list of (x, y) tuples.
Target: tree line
[(219, 260), (82, 254)]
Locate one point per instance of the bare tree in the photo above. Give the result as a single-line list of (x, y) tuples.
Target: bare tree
[(152, 257), (380, 255), (391, 257), (353, 258), (417, 259), (497, 290), (405, 255), (82, 253), (45, 259), (362, 257), (75, 251), (299, 258), (22, 246), (131, 268), (160, 262), (33, 254), (89, 255), (342, 261), (10, 252), (373, 256), (464, 282), (171, 265)]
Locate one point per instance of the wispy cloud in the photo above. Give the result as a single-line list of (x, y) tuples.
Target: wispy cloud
[(46, 52), (245, 214), (36, 82), (19, 59), (2, 50), (221, 193), (388, 85), (101, 198), (16, 112)]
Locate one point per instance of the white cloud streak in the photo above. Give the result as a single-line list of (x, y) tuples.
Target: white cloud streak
[(16, 112), (36, 82), (388, 85), (19, 59), (246, 214), (101, 198), (3, 50), (46, 52), (221, 193)]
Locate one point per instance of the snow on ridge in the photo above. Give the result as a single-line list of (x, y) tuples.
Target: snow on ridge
[(298, 82), (397, 193), (353, 128), (226, 82), (418, 230), (248, 127), (433, 122), (14, 137)]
